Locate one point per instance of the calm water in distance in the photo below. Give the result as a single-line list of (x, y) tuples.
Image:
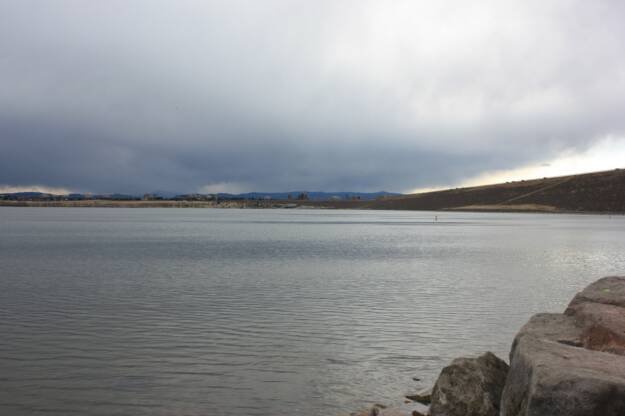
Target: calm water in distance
[(270, 312)]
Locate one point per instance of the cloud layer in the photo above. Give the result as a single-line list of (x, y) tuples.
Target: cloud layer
[(278, 95)]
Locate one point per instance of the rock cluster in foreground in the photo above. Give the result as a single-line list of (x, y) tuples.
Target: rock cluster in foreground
[(569, 364)]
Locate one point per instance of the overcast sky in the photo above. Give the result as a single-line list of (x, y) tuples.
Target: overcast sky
[(139, 96)]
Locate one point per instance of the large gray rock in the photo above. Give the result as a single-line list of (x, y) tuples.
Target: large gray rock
[(600, 311), (470, 387), (571, 364)]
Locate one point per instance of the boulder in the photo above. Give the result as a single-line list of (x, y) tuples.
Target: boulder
[(470, 387), (571, 364), (608, 291), (600, 311)]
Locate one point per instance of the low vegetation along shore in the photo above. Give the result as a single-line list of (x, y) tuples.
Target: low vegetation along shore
[(598, 192), (561, 364)]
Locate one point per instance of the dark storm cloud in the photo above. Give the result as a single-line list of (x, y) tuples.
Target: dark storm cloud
[(137, 96)]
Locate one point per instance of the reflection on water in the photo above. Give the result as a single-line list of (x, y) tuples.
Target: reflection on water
[(272, 312)]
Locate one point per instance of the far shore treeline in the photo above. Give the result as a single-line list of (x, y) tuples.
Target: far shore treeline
[(168, 196)]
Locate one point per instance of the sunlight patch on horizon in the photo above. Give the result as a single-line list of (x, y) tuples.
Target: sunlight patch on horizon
[(606, 154), (9, 189)]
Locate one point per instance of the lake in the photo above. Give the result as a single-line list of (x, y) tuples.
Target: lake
[(270, 312)]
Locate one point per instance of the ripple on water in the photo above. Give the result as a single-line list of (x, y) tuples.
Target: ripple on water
[(226, 312)]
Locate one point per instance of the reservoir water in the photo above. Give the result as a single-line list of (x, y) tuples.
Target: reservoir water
[(270, 312)]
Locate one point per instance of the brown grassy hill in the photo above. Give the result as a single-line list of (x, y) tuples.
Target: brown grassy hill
[(590, 192)]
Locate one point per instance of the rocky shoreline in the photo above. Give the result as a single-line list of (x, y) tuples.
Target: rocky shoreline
[(568, 364)]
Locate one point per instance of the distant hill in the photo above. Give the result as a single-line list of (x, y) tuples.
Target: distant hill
[(26, 194), (313, 196), (589, 192)]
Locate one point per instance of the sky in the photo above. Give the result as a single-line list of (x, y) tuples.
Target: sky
[(274, 95)]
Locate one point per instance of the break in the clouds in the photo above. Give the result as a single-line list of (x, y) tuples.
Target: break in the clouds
[(136, 96)]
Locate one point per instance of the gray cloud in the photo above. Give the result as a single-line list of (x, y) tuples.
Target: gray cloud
[(277, 95)]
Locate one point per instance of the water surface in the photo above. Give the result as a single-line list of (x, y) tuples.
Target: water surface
[(269, 312)]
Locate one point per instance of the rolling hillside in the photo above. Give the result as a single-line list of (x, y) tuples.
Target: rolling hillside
[(590, 192)]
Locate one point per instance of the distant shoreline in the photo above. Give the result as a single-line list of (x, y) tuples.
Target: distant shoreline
[(289, 204), (588, 193), (233, 204)]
